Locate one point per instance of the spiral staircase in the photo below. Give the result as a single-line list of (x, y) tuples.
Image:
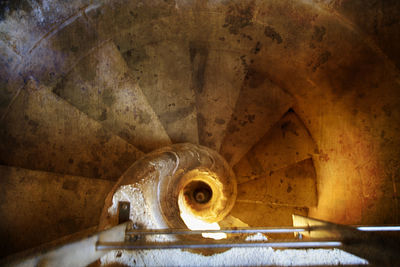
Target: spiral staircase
[(285, 91)]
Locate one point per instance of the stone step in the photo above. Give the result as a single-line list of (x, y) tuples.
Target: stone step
[(260, 105), (10, 82), (285, 144), (158, 56), (29, 22), (102, 86), (217, 79), (293, 186), (60, 50), (265, 215), (44, 132), (131, 22), (38, 42), (37, 207), (164, 73)]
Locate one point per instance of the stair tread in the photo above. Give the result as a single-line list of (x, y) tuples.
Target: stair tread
[(49, 49), (265, 215), (37, 207), (22, 30), (123, 22), (101, 86), (167, 86), (294, 185), (44, 132), (10, 81), (59, 50), (260, 105), (285, 144), (217, 90)]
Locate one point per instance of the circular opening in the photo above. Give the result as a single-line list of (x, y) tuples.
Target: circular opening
[(198, 192), (202, 194), (202, 197)]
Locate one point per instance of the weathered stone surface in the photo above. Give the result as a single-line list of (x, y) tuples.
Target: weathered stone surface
[(24, 23), (44, 132), (294, 186), (57, 53), (124, 20), (33, 37), (217, 80), (10, 81), (286, 143), (164, 75), (102, 86), (260, 105), (336, 58), (379, 20), (265, 215), (38, 207), (160, 61)]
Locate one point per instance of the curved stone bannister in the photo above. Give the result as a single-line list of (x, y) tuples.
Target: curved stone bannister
[(182, 178)]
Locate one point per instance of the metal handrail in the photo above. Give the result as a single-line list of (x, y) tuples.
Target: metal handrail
[(255, 230), (138, 245), (267, 230)]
